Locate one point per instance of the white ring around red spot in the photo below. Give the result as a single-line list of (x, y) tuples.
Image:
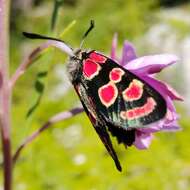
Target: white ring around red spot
[(116, 74), (90, 69), (134, 91), (138, 112), (108, 94)]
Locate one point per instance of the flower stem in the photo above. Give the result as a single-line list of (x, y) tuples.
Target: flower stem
[(54, 119), (5, 94), (26, 63)]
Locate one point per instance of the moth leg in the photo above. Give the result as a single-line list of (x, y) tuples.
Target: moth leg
[(104, 136)]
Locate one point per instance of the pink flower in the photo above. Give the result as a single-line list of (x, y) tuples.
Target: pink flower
[(144, 68)]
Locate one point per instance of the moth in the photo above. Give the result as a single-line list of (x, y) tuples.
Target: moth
[(116, 101)]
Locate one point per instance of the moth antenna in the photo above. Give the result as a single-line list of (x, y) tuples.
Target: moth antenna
[(87, 32), (39, 36), (55, 41)]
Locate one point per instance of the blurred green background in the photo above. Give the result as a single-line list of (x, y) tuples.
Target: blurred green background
[(69, 155)]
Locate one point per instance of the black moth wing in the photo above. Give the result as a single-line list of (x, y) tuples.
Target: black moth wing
[(112, 114), (106, 118), (98, 124)]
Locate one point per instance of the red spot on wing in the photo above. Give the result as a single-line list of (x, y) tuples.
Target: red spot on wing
[(131, 113), (149, 106), (97, 57), (135, 113), (116, 75), (134, 91), (90, 69), (108, 94)]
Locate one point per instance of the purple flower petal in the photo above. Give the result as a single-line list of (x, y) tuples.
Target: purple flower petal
[(114, 46), (128, 54), (151, 64), (172, 126), (161, 87), (172, 92), (152, 128), (143, 140), (171, 112)]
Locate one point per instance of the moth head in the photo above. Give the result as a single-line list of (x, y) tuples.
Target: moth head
[(74, 64)]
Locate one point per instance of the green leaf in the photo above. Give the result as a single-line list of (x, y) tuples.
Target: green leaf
[(68, 28), (39, 88), (57, 5)]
